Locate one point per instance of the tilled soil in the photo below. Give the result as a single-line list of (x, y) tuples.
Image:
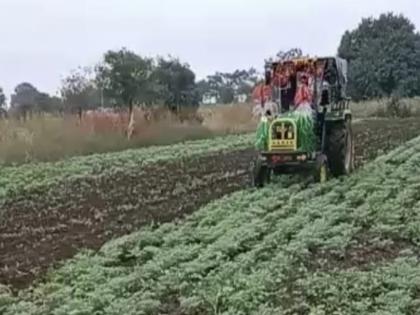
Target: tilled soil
[(47, 227)]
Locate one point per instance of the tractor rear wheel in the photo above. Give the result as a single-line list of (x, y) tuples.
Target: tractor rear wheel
[(340, 148)]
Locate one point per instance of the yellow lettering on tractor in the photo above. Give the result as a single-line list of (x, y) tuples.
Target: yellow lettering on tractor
[(283, 135)]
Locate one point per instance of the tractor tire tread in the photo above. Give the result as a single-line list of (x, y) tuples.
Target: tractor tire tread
[(337, 148)]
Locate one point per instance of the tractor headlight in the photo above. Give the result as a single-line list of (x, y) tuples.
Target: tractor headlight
[(302, 157)]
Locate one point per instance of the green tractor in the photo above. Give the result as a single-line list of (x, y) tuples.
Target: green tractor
[(306, 122)]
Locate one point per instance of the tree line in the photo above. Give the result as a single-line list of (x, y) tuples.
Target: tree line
[(126, 79), (383, 55)]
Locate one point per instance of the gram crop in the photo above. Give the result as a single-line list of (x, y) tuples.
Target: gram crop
[(349, 246)]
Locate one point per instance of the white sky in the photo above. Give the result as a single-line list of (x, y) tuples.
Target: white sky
[(42, 40)]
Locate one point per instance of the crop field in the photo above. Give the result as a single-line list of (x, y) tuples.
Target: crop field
[(203, 242), (350, 246)]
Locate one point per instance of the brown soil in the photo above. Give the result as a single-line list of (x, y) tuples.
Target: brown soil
[(361, 255), (58, 224), (48, 227)]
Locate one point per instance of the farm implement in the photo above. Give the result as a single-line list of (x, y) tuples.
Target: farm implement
[(305, 121)]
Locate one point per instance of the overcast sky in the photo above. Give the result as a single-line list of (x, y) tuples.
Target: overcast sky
[(42, 40)]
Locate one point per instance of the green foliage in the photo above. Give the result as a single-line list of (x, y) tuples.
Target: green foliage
[(3, 111), (177, 82), (384, 57), (129, 79), (344, 247), (228, 85), (305, 127), (125, 77), (24, 98), (28, 100), (261, 141), (78, 91), (47, 104)]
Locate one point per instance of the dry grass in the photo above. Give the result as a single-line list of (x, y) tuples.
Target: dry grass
[(379, 108), (47, 138), (234, 118)]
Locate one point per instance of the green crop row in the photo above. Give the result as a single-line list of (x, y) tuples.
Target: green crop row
[(349, 246), (15, 180)]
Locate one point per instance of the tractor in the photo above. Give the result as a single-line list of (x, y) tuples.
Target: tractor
[(306, 122)]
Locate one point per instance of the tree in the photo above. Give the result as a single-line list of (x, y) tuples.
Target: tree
[(292, 53), (223, 85), (79, 92), (3, 112), (56, 104), (27, 99), (125, 77), (228, 85), (227, 94), (243, 81), (2, 98), (383, 56), (176, 83), (43, 103), (48, 104), (24, 100)]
